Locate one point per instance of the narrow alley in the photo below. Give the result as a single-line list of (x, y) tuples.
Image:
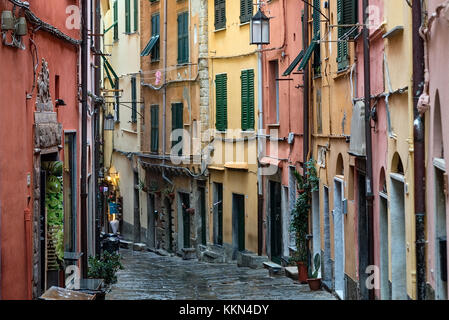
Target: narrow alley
[(147, 275)]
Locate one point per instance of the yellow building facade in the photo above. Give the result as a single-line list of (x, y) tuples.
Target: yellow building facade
[(233, 181)]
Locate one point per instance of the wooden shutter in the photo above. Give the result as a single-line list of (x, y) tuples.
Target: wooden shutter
[(133, 99), (246, 10), (155, 26), (154, 128), (250, 124), (115, 20), (220, 14), (183, 38), (316, 17), (127, 16), (136, 15), (222, 102), (342, 46), (247, 78)]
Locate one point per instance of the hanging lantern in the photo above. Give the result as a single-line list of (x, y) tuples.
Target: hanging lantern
[(260, 29), (109, 122)]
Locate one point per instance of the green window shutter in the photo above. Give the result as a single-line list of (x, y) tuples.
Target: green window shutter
[(316, 17), (247, 89), (177, 121), (127, 16), (222, 102), (134, 99), (342, 46), (115, 20), (154, 128), (220, 14), (117, 100), (155, 27), (246, 10), (183, 38), (250, 99), (136, 15)]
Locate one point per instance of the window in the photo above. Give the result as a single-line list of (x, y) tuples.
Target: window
[(220, 14), (246, 10), (154, 128), (274, 91), (177, 122), (127, 16), (117, 100), (316, 31), (136, 15), (221, 91), (115, 20), (183, 37), (346, 15), (247, 78), (155, 30), (134, 99)]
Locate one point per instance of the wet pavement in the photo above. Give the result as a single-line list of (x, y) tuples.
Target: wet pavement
[(147, 275)]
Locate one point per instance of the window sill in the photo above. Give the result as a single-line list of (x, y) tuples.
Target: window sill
[(183, 64), (341, 73), (274, 125), (221, 29), (242, 24)]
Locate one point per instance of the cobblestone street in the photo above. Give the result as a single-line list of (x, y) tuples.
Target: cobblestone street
[(147, 275)]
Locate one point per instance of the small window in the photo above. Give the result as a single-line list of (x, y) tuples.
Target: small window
[(115, 20), (127, 16), (134, 100), (177, 122), (154, 128), (155, 31), (221, 92)]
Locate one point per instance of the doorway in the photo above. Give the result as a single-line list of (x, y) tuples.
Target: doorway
[(398, 243), (275, 222), (169, 222), (151, 222), (316, 226), (327, 265), (185, 204), (238, 224), (363, 236), (218, 213), (203, 215), (339, 240), (384, 256), (440, 237)]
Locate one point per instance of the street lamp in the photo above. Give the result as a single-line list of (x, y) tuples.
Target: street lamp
[(109, 122), (260, 29)]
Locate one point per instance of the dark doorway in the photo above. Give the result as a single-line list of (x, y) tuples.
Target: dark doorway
[(185, 204), (218, 213), (136, 208), (151, 222), (169, 235), (363, 237), (203, 215), (275, 222), (238, 223)]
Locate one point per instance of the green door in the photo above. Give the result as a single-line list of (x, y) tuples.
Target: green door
[(240, 215), (275, 222)]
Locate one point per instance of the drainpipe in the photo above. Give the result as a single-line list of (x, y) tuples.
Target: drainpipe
[(164, 97), (369, 150), (260, 198), (97, 128), (84, 44), (306, 90), (419, 151)]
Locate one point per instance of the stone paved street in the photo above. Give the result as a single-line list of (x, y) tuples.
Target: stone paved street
[(147, 275)]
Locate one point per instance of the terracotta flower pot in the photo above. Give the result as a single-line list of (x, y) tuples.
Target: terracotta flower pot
[(314, 284), (302, 272)]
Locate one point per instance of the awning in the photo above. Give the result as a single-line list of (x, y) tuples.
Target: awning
[(309, 52), (294, 64), (150, 46), (109, 70), (266, 161)]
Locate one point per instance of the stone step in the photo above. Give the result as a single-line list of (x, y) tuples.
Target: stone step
[(274, 269), (251, 260), (125, 244), (292, 272), (162, 252), (188, 253), (139, 246)]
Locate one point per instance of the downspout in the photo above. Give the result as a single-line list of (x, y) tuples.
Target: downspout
[(369, 150), (164, 98), (260, 197), (84, 44), (305, 40), (97, 127), (419, 151)]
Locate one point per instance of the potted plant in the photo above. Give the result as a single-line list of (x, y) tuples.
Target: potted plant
[(313, 280), (300, 217), (105, 267)]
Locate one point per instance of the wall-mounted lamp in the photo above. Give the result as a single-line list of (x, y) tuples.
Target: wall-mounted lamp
[(60, 103), (16, 26), (109, 122), (260, 29)]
